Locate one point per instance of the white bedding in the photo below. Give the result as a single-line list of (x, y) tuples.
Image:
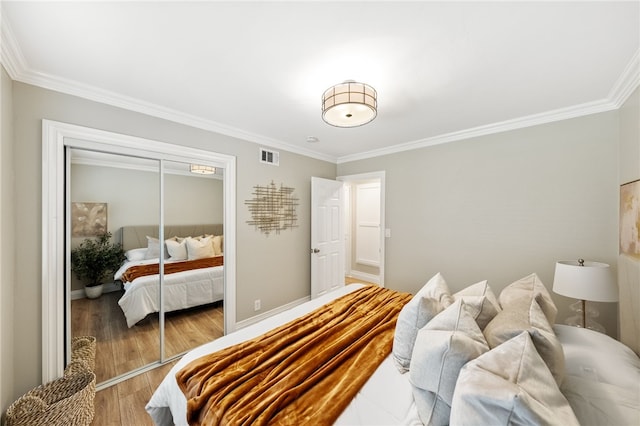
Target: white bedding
[(182, 290), (374, 404), (602, 383)]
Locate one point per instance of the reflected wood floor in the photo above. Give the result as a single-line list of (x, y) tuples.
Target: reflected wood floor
[(120, 349)]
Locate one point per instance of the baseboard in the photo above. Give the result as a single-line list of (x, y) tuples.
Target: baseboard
[(364, 276), (272, 312), (107, 288)]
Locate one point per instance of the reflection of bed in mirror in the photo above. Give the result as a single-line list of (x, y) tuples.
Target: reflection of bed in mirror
[(193, 268)]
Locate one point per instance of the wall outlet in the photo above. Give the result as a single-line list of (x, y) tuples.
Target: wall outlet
[(256, 305)]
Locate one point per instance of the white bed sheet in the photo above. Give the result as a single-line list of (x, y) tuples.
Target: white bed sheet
[(386, 399), (602, 382), (182, 290)]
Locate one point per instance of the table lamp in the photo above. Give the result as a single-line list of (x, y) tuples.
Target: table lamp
[(587, 281)]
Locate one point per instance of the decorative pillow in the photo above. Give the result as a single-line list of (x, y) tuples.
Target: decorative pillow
[(153, 248), (177, 248), (136, 254), (198, 249), (533, 288), (483, 300), (443, 346), (508, 385), (430, 300), (217, 244), (525, 314)]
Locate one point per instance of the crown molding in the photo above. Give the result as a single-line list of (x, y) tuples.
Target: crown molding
[(628, 81), (17, 68), (502, 126)]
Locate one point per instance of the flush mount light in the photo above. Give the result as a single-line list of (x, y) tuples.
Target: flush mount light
[(202, 170), (349, 104)]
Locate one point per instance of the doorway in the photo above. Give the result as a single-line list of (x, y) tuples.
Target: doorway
[(364, 236)]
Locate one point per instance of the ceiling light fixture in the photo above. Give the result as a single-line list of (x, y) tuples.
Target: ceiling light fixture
[(202, 170), (349, 104)]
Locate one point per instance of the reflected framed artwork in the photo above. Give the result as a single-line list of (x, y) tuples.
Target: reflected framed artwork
[(88, 219)]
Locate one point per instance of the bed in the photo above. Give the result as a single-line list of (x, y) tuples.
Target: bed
[(472, 357), (194, 271)]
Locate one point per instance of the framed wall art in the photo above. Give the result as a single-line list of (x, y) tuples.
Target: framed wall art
[(88, 219), (630, 219)]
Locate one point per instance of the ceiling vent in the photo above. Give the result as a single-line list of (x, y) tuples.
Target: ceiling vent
[(269, 157)]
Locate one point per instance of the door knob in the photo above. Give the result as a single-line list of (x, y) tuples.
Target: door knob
[(315, 251)]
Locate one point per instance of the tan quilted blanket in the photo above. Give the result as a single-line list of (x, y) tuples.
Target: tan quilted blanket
[(304, 372)]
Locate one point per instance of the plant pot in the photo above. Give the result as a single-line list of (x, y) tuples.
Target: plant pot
[(93, 292)]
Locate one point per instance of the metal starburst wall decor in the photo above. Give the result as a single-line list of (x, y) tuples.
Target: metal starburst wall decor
[(273, 208)]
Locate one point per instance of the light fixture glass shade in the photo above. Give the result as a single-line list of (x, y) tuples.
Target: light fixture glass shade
[(593, 281), (202, 170), (349, 104)]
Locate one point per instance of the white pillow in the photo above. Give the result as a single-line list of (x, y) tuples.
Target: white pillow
[(136, 254), (216, 241), (153, 248), (483, 300), (531, 287), (525, 314), (443, 346), (177, 248), (430, 300), (509, 385), (199, 249)]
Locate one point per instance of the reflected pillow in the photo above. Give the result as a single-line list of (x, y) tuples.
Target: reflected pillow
[(153, 248), (199, 248), (136, 254), (177, 248), (217, 244)]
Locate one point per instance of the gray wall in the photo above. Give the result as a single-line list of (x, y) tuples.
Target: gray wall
[(260, 259), (502, 206)]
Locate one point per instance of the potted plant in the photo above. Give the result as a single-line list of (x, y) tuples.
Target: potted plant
[(93, 260)]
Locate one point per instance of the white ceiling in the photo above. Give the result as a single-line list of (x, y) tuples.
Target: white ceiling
[(257, 70)]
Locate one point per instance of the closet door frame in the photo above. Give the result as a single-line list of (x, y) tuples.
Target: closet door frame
[(56, 137)]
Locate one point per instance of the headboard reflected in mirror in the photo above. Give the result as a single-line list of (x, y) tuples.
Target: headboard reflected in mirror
[(135, 236)]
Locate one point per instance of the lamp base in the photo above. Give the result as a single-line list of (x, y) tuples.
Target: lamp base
[(576, 321)]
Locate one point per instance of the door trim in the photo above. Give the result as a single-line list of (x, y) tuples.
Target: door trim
[(381, 175), (55, 263)]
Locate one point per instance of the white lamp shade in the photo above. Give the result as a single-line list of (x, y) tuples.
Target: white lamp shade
[(592, 282)]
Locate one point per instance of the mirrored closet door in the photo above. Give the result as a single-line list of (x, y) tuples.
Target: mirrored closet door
[(171, 211)]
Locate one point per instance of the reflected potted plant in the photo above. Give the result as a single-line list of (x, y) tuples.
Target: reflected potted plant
[(94, 260)]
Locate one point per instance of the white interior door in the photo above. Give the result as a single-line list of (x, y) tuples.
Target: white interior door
[(327, 236)]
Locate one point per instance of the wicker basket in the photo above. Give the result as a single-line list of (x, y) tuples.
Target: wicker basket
[(83, 348), (62, 402)]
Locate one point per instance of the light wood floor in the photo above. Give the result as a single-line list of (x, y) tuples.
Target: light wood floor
[(120, 349)]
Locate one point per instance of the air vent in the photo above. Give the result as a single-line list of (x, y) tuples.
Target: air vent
[(269, 157)]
